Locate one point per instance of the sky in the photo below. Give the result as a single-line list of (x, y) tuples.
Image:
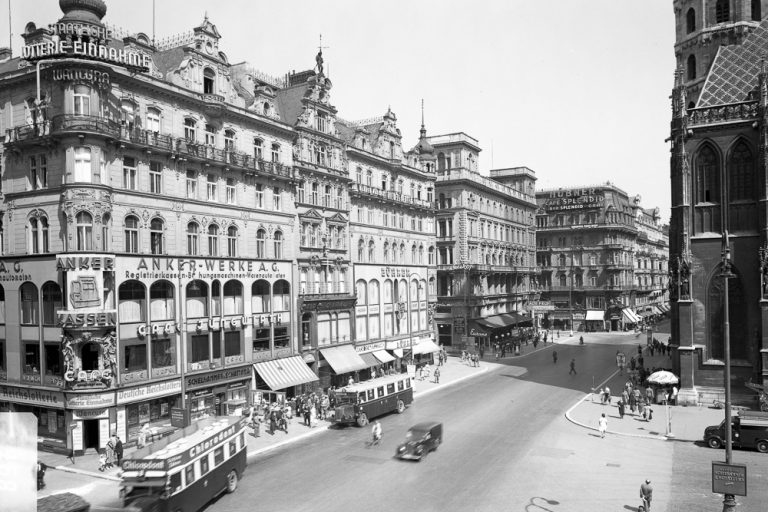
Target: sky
[(577, 90)]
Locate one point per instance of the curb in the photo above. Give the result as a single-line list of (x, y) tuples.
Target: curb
[(624, 434), (482, 369), (284, 442), (103, 476)]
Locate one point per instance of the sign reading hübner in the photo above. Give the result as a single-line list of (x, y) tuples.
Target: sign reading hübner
[(574, 199)]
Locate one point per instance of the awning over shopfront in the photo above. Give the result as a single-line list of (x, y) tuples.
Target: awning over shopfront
[(370, 359), (655, 310), (630, 316), (398, 352), (645, 314), (284, 373), (343, 359), (482, 322), (478, 330), (595, 315), (425, 347), (383, 356)]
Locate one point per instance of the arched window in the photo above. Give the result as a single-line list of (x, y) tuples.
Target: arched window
[(361, 250), (132, 234), (30, 314), (132, 297), (156, 236), (193, 239), (213, 240), (233, 298), (281, 296), (38, 235), (197, 299), (421, 255), (52, 303), (278, 243), (690, 21), (371, 251), (722, 11), (741, 173), (260, 297), (431, 255), (757, 14), (232, 241), (84, 230), (261, 241), (209, 81), (161, 301), (362, 292), (373, 292), (106, 224), (691, 67), (82, 164), (386, 252), (707, 176), (402, 253)]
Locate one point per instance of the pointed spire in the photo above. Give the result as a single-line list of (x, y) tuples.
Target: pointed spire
[(423, 131)]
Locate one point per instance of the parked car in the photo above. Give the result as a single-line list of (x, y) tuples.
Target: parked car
[(421, 439), (748, 430)]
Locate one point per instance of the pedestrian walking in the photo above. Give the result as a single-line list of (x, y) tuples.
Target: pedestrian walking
[(111, 451), (601, 394), (621, 408), (437, 375), (625, 397), (649, 394), (641, 408), (602, 425), (573, 367), (607, 395), (554, 356), (632, 403), (119, 452), (646, 494)]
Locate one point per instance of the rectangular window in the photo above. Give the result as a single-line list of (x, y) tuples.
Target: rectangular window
[(216, 344), (31, 357), (156, 177), (232, 343), (259, 196), (53, 359), (232, 447), (212, 191), (191, 185), (204, 465), (83, 165), (218, 455), (200, 348), (82, 100), (33, 173), (129, 173), (261, 340), (231, 191), (276, 204), (135, 357), (189, 474), (162, 353), (2, 355)]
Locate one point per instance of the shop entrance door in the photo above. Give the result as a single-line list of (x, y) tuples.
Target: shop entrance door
[(221, 405), (90, 434)]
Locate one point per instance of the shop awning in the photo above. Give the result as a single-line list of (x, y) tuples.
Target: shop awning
[(398, 352), (485, 323), (425, 347), (343, 359), (284, 373), (478, 330), (595, 315), (629, 316), (655, 310), (370, 359), (383, 356)]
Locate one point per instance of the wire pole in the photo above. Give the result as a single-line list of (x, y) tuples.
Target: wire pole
[(729, 501)]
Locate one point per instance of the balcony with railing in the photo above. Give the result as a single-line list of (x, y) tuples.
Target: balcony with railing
[(461, 173), (726, 114), (388, 195), (63, 124)]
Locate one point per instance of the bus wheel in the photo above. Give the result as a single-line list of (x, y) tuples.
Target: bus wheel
[(232, 481), (762, 446), (362, 420), (400, 407)]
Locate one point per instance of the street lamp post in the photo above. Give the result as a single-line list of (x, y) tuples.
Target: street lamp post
[(729, 501), (570, 292)]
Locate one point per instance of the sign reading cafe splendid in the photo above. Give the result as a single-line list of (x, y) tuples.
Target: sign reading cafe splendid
[(574, 199)]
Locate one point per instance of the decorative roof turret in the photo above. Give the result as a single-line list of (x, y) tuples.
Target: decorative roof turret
[(423, 147), (89, 11)]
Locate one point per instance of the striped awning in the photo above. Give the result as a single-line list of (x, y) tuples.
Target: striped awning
[(369, 359), (284, 373), (630, 316), (425, 347), (343, 359), (383, 356)]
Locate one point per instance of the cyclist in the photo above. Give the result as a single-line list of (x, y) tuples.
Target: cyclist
[(376, 432)]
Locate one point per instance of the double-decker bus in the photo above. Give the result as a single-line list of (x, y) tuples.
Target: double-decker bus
[(357, 403), (183, 472)]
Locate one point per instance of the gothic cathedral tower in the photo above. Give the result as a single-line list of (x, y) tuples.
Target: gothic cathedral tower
[(702, 26)]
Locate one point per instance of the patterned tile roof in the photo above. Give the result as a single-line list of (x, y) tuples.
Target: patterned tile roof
[(733, 75)]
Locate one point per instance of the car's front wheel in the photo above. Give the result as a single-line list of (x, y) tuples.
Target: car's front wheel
[(714, 442), (762, 446)]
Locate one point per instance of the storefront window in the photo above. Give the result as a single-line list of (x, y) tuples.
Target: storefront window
[(131, 302), (197, 299), (2, 356), (199, 348), (232, 345), (306, 326), (162, 353), (2, 305), (156, 413), (216, 298), (135, 357), (260, 297), (233, 298), (216, 344), (261, 340), (161, 301), (31, 357), (281, 337), (29, 304), (52, 303), (53, 359)]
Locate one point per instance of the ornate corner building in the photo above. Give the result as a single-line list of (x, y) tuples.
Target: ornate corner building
[(602, 259), (718, 190)]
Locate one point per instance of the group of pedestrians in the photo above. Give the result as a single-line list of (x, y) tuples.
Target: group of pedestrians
[(472, 359), (112, 454)]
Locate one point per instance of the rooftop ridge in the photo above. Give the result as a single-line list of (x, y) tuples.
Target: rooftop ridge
[(274, 81), (174, 41), (370, 120)]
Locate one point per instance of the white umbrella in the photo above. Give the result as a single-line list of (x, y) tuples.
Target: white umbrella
[(663, 378)]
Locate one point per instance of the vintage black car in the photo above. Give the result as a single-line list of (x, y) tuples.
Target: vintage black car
[(421, 439)]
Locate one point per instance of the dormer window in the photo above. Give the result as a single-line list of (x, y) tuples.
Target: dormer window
[(209, 79), (266, 108), (321, 122)]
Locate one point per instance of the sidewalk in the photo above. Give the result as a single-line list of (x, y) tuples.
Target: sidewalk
[(452, 372), (687, 423)]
